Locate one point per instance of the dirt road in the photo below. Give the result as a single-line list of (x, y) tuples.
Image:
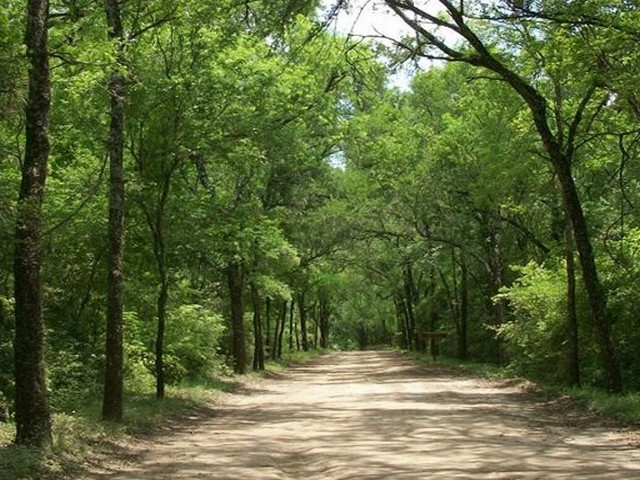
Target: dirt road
[(378, 415)]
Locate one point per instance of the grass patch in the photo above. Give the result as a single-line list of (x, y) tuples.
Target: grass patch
[(79, 436), (621, 407)]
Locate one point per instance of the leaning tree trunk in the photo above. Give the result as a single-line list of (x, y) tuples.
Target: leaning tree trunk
[(234, 278), (561, 159), (595, 292), (560, 154), (33, 421)]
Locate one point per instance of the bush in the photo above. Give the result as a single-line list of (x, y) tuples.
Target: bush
[(535, 336), (72, 375), (193, 337)]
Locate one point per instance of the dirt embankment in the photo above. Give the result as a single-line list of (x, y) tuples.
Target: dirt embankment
[(378, 415)]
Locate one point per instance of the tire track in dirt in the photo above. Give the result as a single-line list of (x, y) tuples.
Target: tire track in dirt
[(379, 415)]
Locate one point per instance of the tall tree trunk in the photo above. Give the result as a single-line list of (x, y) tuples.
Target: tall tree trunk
[(33, 421), (112, 406), (401, 324), (163, 298), (452, 294), (595, 291), (409, 295), (316, 325), (267, 334), (324, 324), (561, 157), (573, 371), (157, 226), (280, 336), (494, 255), (258, 353), (463, 349), (291, 312), (302, 308), (234, 277)]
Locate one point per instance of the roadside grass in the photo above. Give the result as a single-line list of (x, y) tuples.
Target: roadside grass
[(623, 408), (80, 437)]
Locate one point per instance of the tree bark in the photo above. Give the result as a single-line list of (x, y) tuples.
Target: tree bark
[(291, 312), (401, 324), (234, 278), (324, 314), (595, 292), (258, 353), (494, 257), (112, 406), (267, 334), (409, 295), (163, 299), (32, 416), (463, 349), (280, 336), (302, 308)]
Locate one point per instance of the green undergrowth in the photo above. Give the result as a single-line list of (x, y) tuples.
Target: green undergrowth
[(79, 436), (623, 408)]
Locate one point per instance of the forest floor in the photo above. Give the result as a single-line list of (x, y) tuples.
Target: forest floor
[(380, 415)]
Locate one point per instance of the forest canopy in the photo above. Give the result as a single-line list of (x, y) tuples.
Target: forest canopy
[(189, 189)]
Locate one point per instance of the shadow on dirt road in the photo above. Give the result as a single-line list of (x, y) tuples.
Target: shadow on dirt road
[(378, 415)]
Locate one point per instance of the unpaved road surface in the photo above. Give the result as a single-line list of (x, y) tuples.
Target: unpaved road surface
[(378, 415)]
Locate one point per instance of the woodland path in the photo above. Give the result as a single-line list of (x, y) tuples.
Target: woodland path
[(379, 415)]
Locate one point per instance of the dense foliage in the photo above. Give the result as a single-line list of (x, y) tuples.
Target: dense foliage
[(281, 195)]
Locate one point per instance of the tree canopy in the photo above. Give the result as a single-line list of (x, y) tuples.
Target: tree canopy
[(229, 181)]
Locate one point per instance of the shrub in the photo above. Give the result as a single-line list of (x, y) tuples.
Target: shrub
[(535, 334)]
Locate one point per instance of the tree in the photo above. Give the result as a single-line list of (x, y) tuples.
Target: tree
[(112, 406), (560, 147), (33, 424)]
